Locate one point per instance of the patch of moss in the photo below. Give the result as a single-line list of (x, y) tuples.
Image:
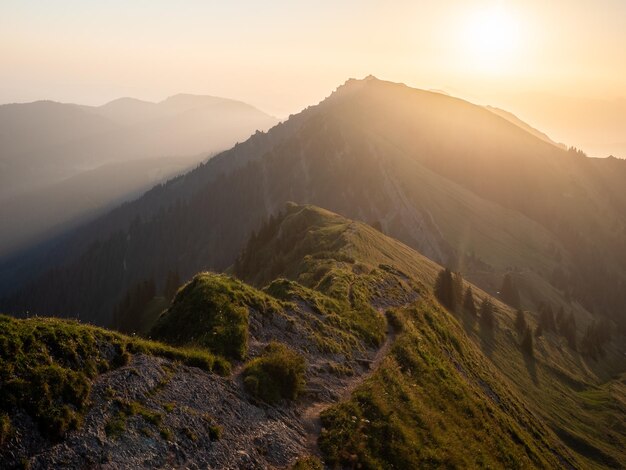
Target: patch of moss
[(116, 426), (166, 433), (215, 432), (189, 434), (277, 374)]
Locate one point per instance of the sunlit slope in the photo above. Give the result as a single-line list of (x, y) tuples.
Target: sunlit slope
[(581, 400), (453, 180), (56, 159), (449, 391)]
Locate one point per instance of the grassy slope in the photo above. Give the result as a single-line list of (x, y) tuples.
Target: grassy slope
[(560, 388), (47, 367), (448, 394)]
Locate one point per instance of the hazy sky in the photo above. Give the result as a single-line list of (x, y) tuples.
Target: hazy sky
[(285, 55)]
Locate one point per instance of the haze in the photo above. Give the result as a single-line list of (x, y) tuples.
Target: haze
[(533, 58)]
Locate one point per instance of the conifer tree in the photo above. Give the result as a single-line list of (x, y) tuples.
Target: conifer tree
[(527, 342), (546, 318), (444, 290), (486, 313), (457, 289), (469, 305), (520, 322), (172, 283), (509, 292)]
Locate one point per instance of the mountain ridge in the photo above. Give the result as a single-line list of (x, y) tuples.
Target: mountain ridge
[(323, 282), (386, 137)]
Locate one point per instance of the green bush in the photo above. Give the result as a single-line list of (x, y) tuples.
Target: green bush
[(277, 374), (307, 463), (215, 432), (5, 428)]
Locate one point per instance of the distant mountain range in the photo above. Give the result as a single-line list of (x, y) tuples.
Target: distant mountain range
[(594, 124), (458, 182), (56, 159)]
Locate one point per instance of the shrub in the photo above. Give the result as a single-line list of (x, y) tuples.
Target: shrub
[(277, 374), (307, 463), (215, 432), (5, 427)]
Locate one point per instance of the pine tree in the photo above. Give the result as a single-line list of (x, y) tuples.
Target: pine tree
[(560, 319), (546, 318), (527, 342), (486, 314), (520, 322), (469, 305), (457, 289), (172, 283), (444, 289), (509, 292), (568, 330)]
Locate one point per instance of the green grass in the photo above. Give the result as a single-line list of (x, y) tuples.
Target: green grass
[(434, 402), (5, 427), (214, 430), (307, 463), (47, 367), (551, 382), (211, 312), (116, 426), (338, 312), (338, 267), (277, 374)]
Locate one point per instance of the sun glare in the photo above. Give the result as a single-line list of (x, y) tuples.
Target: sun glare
[(491, 40)]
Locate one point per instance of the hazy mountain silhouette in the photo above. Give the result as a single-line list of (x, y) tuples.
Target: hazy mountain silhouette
[(518, 122), (594, 124), (454, 180), (48, 147)]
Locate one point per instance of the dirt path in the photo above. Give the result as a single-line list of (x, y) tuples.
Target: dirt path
[(311, 414)]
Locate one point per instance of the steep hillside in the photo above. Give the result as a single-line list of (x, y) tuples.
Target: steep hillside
[(47, 149), (343, 341), (453, 180), (47, 212), (577, 396)]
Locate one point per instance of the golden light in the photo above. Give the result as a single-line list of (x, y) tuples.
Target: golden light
[(491, 40)]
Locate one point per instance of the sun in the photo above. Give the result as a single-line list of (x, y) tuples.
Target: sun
[(491, 39)]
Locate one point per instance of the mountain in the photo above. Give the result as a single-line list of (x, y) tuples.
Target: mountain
[(518, 122), (47, 147), (453, 180), (595, 125), (44, 213), (334, 350)]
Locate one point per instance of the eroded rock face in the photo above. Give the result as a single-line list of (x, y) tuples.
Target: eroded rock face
[(179, 411)]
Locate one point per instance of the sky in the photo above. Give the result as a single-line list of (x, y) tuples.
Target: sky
[(283, 55)]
